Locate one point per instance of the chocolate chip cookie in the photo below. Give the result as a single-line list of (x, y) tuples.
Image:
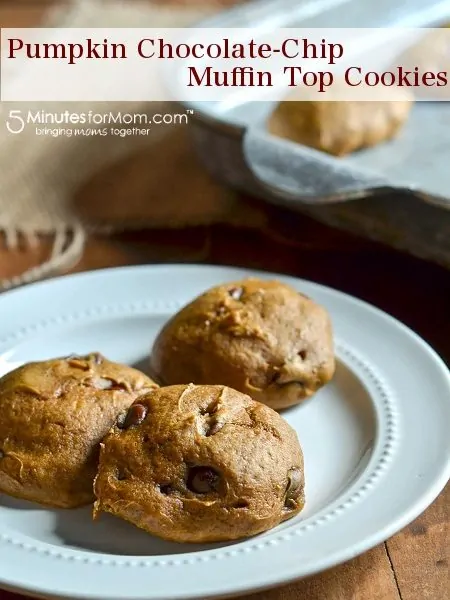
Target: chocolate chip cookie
[(53, 415), (262, 338), (200, 464)]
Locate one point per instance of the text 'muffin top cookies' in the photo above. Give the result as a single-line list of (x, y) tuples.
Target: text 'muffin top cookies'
[(260, 337), (53, 415), (200, 464)]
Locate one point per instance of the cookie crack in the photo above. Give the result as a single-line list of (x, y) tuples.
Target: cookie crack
[(211, 422), (263, 426), (257, 426)]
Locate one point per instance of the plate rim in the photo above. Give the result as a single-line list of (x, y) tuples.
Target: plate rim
[(396, 524)]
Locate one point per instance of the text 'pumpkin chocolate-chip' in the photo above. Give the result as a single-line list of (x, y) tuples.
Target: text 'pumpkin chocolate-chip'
[(252, 335), (188, 486), (54, 415)]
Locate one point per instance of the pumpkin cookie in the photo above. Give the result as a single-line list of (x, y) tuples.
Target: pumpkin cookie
[(262, 338), (200, 464), (53, 415), (340, 127)]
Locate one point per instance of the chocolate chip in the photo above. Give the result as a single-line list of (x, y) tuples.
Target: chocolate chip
[(135, 416), (121, 475), (203, 480), (166, 489), (303, 354), (241, 504), (294, 488), (273, 376), (2, 454), (236, 293)]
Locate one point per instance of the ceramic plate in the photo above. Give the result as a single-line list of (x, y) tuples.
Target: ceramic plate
[(376, 444)]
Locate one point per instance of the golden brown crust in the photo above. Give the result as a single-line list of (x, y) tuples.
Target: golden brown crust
[(53, 415), (262, 338), (339, 127), (201, 464)]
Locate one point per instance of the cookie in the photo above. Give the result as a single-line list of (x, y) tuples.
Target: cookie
[(339, 127), (53, 415), (262, 338), (200, 464)]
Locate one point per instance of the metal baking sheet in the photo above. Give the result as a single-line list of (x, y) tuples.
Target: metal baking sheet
[(397, 192)]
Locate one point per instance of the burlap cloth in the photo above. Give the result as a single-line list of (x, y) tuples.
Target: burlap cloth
[(68, 187)]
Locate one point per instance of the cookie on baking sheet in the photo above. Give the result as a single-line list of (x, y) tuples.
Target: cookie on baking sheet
[(53, 415), (200, 464), (341, 127), (260, 337)]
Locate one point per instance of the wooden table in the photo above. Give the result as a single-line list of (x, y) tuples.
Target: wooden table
[(412, 565)]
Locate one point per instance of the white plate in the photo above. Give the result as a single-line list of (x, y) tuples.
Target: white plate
[(376, 444)]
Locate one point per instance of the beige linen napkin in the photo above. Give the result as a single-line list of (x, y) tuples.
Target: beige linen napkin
[(58, 185)]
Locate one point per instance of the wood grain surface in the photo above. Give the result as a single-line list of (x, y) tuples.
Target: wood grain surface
[(412, 565)]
